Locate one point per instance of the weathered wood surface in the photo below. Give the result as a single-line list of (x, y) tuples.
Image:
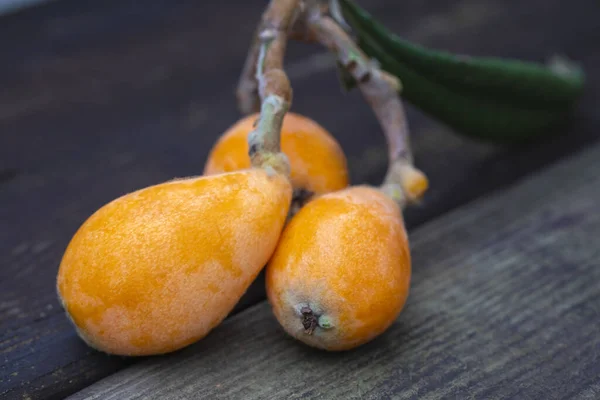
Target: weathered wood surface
[(101, 98), (504, 304)]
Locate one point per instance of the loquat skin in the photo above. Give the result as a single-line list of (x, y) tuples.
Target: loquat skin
[(341, 272), (318, 164), (157, 269)]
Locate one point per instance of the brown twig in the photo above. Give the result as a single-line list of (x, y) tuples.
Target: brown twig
[(336, 13), (299, 30), (405, 183), (273, 85), (246, 93), (279, 17)]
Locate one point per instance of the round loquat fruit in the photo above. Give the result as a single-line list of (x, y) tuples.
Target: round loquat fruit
[(340, 274), (317, 161)]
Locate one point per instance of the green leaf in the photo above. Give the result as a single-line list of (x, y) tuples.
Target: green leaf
[(492, 99)]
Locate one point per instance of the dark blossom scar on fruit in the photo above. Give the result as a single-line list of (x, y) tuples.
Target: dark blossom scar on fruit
[(309, 320)]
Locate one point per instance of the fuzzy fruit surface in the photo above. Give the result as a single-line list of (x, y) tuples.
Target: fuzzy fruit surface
[(157, 269), (318, 164), (345, 257)]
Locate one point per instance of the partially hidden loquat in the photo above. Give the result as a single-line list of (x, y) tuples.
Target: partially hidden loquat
[(340, 274), (317, 162), (157, 269)]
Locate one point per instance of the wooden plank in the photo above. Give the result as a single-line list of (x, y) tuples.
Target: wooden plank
[(11, 6), (102, 98), (504, 304)]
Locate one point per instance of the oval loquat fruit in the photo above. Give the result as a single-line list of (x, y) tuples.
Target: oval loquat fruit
[(157, 269), (340, 274)]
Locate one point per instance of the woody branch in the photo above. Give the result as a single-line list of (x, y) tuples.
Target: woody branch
[(264, 84), (405, 183), (272, 84)]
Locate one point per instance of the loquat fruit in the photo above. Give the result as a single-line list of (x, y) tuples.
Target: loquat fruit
[(317, 162), (157, 269), (340, 274)]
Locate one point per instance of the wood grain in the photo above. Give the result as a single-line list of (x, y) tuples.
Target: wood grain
[(504, 304), (102, 98)]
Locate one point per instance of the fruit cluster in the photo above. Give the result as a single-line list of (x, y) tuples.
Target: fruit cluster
[(159, 268)]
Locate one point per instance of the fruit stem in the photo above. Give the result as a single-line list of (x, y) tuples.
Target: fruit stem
[(273, 86), (275, 24), (403, 182), (246, 92)]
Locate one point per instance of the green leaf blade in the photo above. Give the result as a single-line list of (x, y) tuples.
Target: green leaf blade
[(493, 99), (509, 79)]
